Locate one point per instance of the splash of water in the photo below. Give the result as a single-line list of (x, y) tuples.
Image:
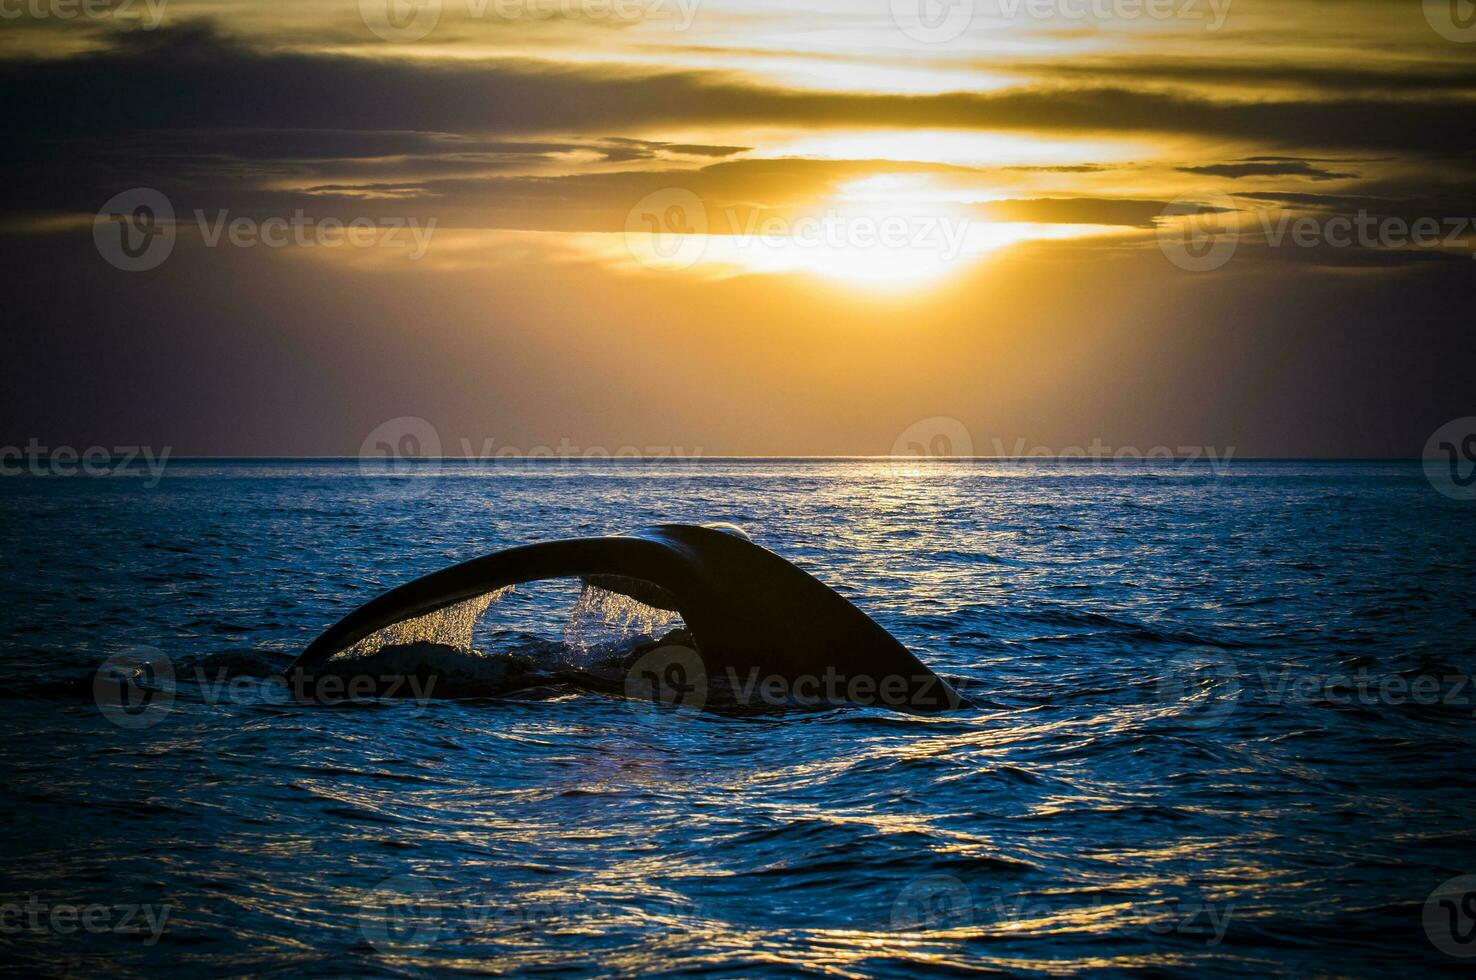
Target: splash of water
[(451, 626), (602, 621), (600, 624)]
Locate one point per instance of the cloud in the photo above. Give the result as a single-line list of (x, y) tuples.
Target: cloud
[(1406, 198), (511, 326), (1077, 210), (1409, 77), (1077, 168), (1264, 167), (193, 78)]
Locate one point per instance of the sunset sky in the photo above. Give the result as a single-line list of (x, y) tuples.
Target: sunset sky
[(753, 227)]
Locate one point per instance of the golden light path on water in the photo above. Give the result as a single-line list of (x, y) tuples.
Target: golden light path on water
[(641, 893)]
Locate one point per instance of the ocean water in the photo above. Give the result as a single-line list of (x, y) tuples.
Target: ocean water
[(1222, 725)]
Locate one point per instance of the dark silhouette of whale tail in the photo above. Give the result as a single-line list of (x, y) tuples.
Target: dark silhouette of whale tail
[(754, 619)]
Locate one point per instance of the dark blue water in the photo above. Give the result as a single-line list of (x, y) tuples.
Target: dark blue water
[(1223, 727)]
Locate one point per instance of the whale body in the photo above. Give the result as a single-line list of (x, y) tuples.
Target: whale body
[(751, 615)]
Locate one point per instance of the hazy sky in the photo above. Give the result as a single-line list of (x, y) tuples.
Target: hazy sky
[(739, 227)]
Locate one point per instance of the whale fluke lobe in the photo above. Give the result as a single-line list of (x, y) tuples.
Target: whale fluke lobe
[(755, 621)]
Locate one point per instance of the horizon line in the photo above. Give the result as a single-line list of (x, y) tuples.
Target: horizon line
[(204, 457)]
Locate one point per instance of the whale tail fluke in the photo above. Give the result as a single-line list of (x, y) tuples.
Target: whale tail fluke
[(738, 620)]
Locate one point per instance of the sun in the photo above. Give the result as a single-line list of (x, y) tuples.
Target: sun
[(886, 232)]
